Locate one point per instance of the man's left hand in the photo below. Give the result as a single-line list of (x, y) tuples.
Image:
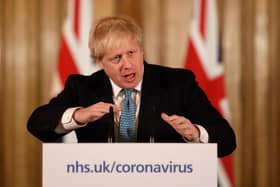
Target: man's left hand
[(183, 126)]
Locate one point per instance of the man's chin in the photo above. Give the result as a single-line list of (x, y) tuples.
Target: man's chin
[(130, 85)]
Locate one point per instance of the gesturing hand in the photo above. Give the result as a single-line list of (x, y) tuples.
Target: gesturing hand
[(183, 126), (93, 112)]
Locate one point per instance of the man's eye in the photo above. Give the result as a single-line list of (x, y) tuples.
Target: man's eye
[(130, 53), (116, 58)]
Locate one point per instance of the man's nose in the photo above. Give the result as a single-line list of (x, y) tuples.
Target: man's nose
[(126, 61)]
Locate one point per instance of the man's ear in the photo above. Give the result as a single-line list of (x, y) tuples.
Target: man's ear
[(99, 63)]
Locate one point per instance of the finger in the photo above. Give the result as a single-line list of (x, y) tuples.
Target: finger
[(116, 108), (164, 116), (107, 107), (177, 121), (104, 107), (169, 118)]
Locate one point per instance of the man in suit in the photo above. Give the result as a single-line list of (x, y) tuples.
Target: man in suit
[(169, 105)]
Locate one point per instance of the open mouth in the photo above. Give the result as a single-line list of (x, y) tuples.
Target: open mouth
[(129, 77)]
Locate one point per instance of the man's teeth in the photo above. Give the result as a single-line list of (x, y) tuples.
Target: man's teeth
[(130, 75)]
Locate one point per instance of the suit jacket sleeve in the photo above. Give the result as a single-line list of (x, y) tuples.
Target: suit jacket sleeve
[(203, 113), (45, 119)]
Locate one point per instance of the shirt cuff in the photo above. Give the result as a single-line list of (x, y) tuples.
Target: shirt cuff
[(67, 120), (204, 136)]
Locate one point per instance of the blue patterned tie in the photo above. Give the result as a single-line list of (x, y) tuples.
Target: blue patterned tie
[(127, 118)]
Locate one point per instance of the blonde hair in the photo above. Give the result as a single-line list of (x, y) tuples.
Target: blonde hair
[(108, 33)]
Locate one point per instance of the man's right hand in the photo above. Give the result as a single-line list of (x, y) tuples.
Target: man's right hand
[(93, 112)]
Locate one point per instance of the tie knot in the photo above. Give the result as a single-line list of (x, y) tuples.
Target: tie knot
[(127, 92)]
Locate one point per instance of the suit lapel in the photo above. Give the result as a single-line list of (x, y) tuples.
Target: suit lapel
[(149, 113), (102, 89)]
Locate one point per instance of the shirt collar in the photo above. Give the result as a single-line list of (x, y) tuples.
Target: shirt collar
[(117, 89)]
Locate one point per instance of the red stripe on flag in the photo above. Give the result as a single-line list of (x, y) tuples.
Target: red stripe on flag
[(202, 18), (193, 63), (213, 88), (215, 92), (227, 164), (66, 65), (76, 18)]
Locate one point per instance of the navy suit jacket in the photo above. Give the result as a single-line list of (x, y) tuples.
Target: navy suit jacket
[(169, 90)]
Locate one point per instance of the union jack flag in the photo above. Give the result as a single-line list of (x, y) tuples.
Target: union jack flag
[(203, 58), (74, 54)]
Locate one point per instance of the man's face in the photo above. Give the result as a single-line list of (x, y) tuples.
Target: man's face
[(124, 65)]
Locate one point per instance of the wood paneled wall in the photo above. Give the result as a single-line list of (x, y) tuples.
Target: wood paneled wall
[(29, 40)]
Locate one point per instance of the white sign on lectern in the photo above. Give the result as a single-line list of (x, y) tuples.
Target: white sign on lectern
[(129, 164)]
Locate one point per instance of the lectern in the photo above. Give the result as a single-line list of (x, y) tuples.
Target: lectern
[(129, 164)]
